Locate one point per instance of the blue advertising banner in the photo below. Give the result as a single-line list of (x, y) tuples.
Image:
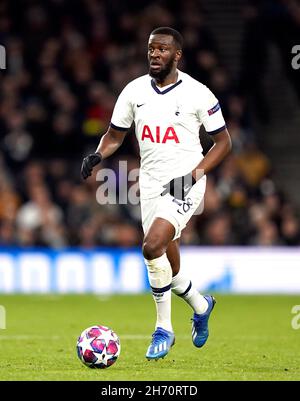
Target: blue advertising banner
[(106, 271)]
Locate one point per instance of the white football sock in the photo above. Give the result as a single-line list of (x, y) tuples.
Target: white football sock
[(160, 277), (183, 287)]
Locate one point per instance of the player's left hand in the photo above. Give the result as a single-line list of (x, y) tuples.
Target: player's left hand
[(179, 187)]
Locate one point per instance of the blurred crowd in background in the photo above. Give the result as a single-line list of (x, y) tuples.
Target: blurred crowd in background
[(67, 61)]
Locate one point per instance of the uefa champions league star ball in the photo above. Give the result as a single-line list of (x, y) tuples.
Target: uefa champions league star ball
[(98, 347)]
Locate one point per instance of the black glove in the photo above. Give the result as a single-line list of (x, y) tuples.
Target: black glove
[(179, 187), (89, 162)]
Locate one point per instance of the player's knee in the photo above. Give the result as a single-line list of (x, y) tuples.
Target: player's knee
[(152, 249)]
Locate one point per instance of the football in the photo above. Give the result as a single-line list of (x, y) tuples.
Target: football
[(98, 347)]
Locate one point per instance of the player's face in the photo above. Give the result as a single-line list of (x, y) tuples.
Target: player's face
[(162, 56)]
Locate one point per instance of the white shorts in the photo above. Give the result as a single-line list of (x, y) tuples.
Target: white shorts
[(177, 212)]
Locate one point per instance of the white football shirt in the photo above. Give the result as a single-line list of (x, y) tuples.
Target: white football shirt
[(167, 122)]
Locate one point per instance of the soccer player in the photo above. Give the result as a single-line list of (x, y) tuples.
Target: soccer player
[(168, 107)]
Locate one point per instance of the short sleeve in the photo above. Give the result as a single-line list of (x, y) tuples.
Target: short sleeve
[(210, 113), (122, 116)]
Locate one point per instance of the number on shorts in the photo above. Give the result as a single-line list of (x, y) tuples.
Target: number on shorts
[(184, 206)]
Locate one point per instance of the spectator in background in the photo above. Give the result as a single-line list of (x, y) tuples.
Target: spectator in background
[(7, 233), (218, 230), (253, 165), (290, 230), (40, 215), (267, 235), (9, 200)]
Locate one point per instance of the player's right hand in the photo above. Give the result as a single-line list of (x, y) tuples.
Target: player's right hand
[(89, 162)]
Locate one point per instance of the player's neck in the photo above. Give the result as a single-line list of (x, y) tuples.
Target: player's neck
[(170, 79)]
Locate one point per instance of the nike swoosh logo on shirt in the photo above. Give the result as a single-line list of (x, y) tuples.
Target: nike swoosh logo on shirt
[(139, 105)]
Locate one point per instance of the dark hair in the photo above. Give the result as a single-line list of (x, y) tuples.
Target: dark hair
[(165, 30)]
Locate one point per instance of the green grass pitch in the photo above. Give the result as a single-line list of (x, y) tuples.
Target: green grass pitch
[(251, 338)]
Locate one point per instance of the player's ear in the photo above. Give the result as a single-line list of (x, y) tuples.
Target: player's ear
[(178, 55)]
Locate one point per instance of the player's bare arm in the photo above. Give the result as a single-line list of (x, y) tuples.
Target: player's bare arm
[(109, 143), (220, 149)]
